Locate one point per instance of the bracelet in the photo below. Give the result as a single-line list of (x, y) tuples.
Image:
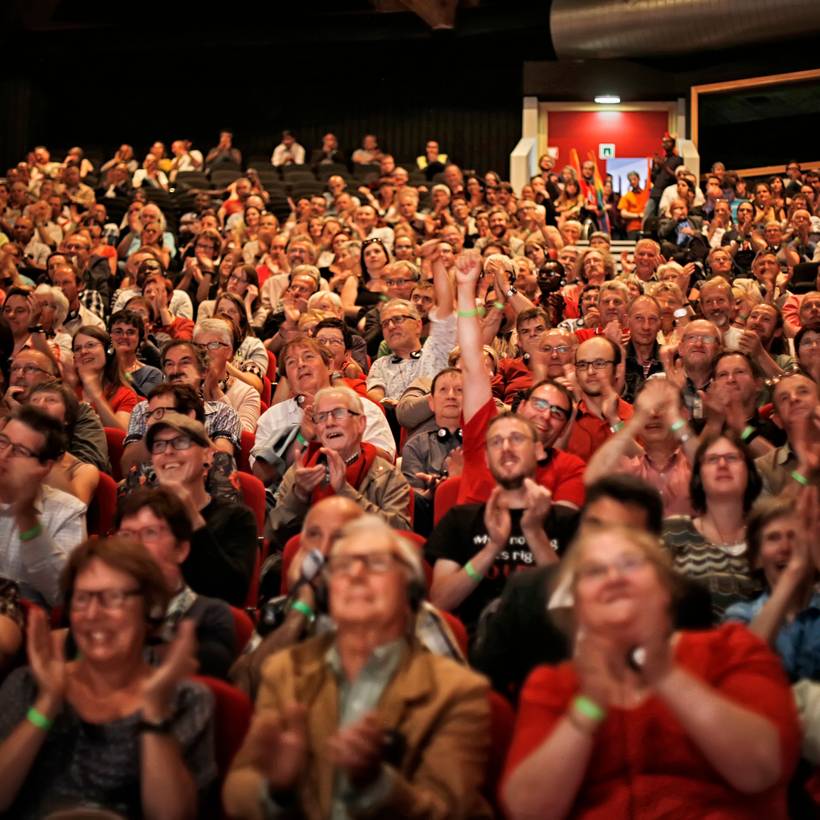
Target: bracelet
[(466, 314), (300, 438), (677, 425), (588, 708), (748, 433), (498, 305), (38, 719), (304, 609), (800, 478), (30, 535), (617, 427), (472, 573), (684, 437)]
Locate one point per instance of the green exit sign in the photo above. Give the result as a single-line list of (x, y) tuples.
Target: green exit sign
[(606, 150)]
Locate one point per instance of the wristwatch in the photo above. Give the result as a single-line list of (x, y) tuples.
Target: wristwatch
[(511, 292), (681, 313)]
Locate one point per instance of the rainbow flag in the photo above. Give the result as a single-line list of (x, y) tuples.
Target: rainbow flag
[(599, 190)]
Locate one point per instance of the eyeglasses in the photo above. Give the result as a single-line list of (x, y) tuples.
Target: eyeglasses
[(397, 283), (338, 413), (624, 565), (124, 331), (27, 369), (237, 278), (145, 534), (595, 364), (515, 439), (703, 338), (559, 349), (377, 562), (210, 345), (108, 598), (88, 347), (328, 342), (17, 450), (392, 321), (178, 443), (713, 459), (555, 410)]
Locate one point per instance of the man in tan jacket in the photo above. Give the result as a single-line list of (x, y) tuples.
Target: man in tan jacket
[(339, 463), (365, 723)]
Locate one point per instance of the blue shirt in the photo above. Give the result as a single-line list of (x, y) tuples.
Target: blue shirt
[(797, 642)]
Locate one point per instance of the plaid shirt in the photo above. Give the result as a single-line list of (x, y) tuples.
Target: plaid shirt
[(92, 300), (221, 421)]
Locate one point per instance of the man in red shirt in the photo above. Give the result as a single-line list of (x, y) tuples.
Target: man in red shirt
[(601, 412), (547, 405)]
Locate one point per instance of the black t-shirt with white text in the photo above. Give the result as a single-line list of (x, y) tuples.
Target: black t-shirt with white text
[(461, 534)]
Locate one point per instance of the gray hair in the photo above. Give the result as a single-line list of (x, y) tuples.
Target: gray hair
[(60, 302), (327, 296), (219, 327), (368, 527), (409, 307), (351, 397)]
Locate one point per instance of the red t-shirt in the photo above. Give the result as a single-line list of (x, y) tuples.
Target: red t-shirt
[(643, 763), (562, 475), (123, 398), (589, 432), (514, 376)]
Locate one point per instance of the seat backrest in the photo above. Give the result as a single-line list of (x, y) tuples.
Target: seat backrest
[(264, 396), (247, 440), (272, 373), (232, 717), (243, 628), (446, 497), (253, 494), (100, 515), (502, 723), (458, 629), (288, 554), (115, 439), (252, 598)]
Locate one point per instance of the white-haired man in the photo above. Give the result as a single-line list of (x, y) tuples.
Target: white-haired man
[(339, 463), (363, 720)]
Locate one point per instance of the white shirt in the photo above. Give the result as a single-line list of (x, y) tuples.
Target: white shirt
[(37, 564), (273, 422), (282, 155)]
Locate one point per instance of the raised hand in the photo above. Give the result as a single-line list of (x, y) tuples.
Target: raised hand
[(338, 471), (357, 748), (497, 519), (277, 745), (539, 502), (672, 366), (46, 657), (179, 663), (468, 267)]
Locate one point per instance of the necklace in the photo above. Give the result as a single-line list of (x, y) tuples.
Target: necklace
[(721, 540)]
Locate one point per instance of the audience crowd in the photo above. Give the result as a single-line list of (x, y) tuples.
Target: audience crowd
[(336, 485)]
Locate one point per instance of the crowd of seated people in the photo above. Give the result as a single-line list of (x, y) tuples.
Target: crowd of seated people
[(336, 486)]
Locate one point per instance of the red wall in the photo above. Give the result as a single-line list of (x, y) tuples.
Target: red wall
[(635, 133)]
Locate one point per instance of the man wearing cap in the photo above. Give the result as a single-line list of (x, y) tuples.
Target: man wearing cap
[(223, 542)]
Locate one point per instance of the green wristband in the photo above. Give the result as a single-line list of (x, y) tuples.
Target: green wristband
[(799, 478), (30, 535), (588, 708), (677, 425), (499, 305), (747, 433), (300, 438), (305, 609), (617, 427), (38, 719), (472, 573), (466, 314)]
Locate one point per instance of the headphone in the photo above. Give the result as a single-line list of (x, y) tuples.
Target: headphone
[(416, 593), (443, 433), (416, 354)]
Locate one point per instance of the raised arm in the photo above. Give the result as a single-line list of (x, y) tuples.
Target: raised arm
[(477, 391)]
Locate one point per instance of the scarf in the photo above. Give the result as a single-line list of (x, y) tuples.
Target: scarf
[(354, 474)]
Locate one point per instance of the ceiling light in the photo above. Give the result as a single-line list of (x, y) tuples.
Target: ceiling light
[(607, 99)]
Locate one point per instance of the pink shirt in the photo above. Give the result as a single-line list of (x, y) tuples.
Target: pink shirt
[(671, 479)]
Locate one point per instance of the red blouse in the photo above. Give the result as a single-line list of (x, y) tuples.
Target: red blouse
[(643, 764)]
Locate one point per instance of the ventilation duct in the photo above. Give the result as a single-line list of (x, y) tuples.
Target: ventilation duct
[(605, 29)]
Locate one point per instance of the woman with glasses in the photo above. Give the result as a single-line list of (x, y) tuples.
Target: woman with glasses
[(711, 546), (242, 282), (335, 337), (99, 377), (645, 720), (68, 473), (100, 731), (53, 311), (216, 338), (128, 339)]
